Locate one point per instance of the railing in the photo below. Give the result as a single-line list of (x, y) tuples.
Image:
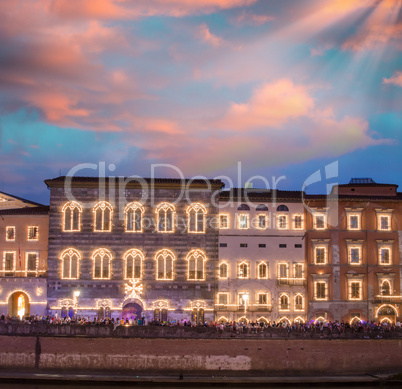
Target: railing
[(240, 308), (291, 281), (387, 299)]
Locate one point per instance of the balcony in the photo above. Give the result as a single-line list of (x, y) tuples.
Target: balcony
[(241, 308), (291, 281), (387, 299)]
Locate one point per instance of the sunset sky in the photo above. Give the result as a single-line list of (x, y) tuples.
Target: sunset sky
[(285, 87)]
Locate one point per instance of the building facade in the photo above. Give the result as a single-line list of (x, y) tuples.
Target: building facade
[(133, 249), (261, 272)]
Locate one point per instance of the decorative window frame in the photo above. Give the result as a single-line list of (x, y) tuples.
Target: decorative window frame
[(302, 304), (286, 264), (257, 299), (70, 251), (381, 278), (164, 208), (354, 244), (133, 206), (350, 212), (320, 212), (13, 270), (31, 236), (197, 207), (12, 228), (227, 270), (258, 224), (385, 245), (102, 205), (247, 264), (133, 253), (320, 244), (224, 221), (198, 255), (301, 221), (320, 278), (218, 295), (164, 253), (354, 278), (104, 253), (280, 305), (258, 270), (278, 221), (240, 298), (246, 219), (384, 213), (294, 270), (71, 205), (36, 263)]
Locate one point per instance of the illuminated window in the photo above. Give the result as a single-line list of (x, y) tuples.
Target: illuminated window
[(133, 260), (10, 234), (354, 222), (103, 217), (354, 251), (384, 219), (9, 263), (283, 270), (102, 264), (319, 221), (166, 215), (385, 289), (320, 290), (385, 255), (70, 259), (299, 302), (243, 221), (243, 270), (320, 255), (33, 233), (262, 222), (262, 298), (244, 299), (223, 221), (196, 265), (72, 216), (262, 270), (297, 222), (223, 298), (282, 222), (223, 270), (164, 265), (284, 302), (196, 215), (31, 264), (298, 270), (133, 217), (355, 292)]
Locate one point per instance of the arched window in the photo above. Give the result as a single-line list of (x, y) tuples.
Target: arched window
[(223, 270), (262, 207), (196, 265), (262, 270), (70, 260), (164, 264), (284, 302), (72, 216), (243, 207), (133, 217), (282, 208), (104, 310), (196, 214), (133, 261), (103, 216), (385, 288), (102, 266), (243, 270), (299, 306), (165, 215)]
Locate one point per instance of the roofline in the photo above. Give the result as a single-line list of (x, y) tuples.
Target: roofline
[(22, 199), (43, 210)]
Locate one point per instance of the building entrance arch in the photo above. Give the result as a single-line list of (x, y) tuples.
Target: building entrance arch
[(132, 309), (18, 304)]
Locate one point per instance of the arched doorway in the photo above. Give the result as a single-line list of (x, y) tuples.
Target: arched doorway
[(387, 312), (197, 315), (132, 310), (18, 304)]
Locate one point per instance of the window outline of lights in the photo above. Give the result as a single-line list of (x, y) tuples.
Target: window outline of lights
[(382, 249), (227, 270), (354, 247), (296, 304), (281, 303), (240, 272), (240, 298), (386, 280), (262, 221), (243, 220), (198, 255), (197, 208), (316, 216), (350, 290), (350, 212), (387, 214), (282, 222), (298, 215), (266, 294), (133, 253), (218, 296), (321, 282), (33, 233), (301, 265), (14, 254), (71, 206), (224, 221), (104, 253), (133, 206), (165, 253), (259, 265), (70, 251), (102, 206), (10, 228), (283, 265), (325, 255), (27, 253), (165, 207)]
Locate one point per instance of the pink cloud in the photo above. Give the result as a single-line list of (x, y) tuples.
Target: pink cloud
[(207, 37), (247, 18), (271, 105), (395, 79)]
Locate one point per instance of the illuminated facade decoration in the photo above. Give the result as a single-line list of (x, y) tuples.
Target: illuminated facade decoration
[(223, 270), (10, 233), (196, 217), (196, 265), (223, 221), (33, 233), (101, 264), (164, 265), (133, 215), (103, 212), (133, 264), (72, 216), (166, 217)]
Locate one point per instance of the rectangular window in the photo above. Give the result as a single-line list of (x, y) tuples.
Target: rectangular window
[(319, 222), (298, 270), (243, 270), (243, 244), (354, 222), (222, 298), (355, 291), (33, 233), (262, 222), (243, 222), (223, 245), (282, 245), (263, 298), (298, 222), (354, 256), (262, 245), (282, 222), (223, 222), (320, 290), (283, 270), (243, 299), (298, 246), (385, 256), (320, 256), (10, 234), (385, 223), (9, 263), (31, 264)]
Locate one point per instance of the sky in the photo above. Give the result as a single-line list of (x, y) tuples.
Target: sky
[(230, 89)]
